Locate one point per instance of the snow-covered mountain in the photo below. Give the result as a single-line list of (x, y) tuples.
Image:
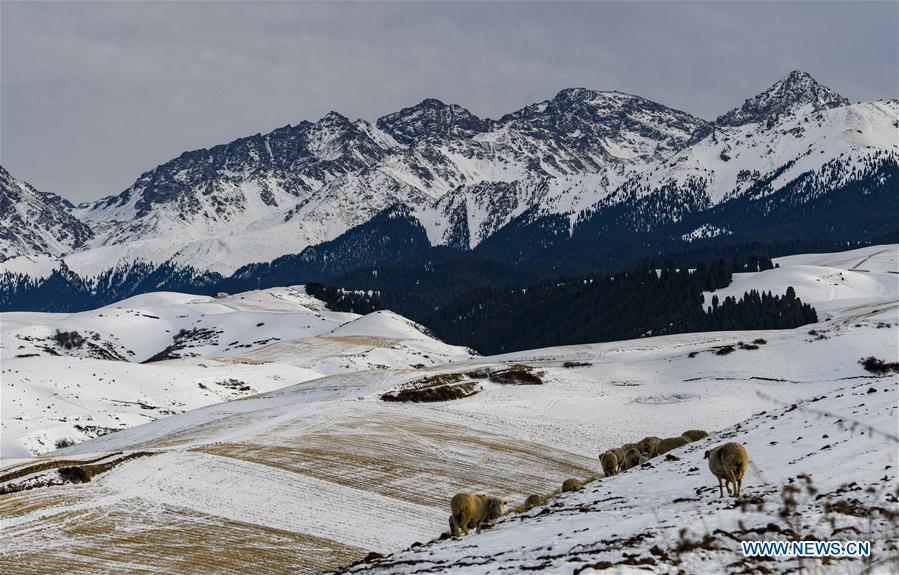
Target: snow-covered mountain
[(311, 475), (783, 149), (600, 161), (269, 195), (36, 223), (733, 158), (795, 93)]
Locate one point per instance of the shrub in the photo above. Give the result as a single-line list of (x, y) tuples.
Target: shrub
[(68, 339), (64, 442), (516, 374), (878, 366), (725, 350)]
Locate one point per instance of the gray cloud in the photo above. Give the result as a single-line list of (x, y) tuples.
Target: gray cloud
[(92, 94)]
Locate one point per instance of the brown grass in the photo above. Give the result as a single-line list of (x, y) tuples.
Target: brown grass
[(415, 460), (170, 541)]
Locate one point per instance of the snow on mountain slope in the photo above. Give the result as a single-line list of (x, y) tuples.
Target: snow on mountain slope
[(795, 90), (832, 283), (731, 160), (593, 128), (464, 178), (253, 199), (868, 259), (432, 119), (35, 267), (264, 196), (80, 375), (34, 223), (575, 148), (320, 463)]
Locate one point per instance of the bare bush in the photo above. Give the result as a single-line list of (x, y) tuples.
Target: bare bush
[(64, 442), (878, 366), (68, 339)]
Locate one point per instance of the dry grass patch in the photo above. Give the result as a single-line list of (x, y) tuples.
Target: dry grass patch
[(169, 540), (415, 459), (362, 340)]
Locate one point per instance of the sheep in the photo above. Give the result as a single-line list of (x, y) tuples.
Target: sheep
[(619, 453), (695, 434), (571, 485), (649, 446), (728, 463), (670, 443), (534, 501), (609, 461), (622, 455), (632, 458), (473, 510)]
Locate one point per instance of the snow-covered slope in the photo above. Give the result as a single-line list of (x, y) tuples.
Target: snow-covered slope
[(798, 140), (836, 285), (315, 475), (731, 159), (76, 376), (821, 469), (796, 90), (33, 223)]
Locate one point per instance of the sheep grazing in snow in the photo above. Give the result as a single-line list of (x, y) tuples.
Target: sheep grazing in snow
[(609, 461), (649, 446), (473, 511), (670, 443), (571, 485), (619, 453), (632, 458), (533, 501), (622, 455), (728, 463), (695, 434)]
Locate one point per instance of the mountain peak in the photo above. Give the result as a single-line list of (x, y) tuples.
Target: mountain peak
[(334, 118), (796, 90), (432, 118)]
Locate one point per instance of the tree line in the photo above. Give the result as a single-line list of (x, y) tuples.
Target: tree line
[(638, 302)]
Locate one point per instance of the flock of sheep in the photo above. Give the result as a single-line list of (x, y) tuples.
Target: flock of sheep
[(727, 462)]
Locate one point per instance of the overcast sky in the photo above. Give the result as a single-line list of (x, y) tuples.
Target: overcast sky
[(93, 94)]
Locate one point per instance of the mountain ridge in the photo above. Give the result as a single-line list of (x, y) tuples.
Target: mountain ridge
[(585, 157)]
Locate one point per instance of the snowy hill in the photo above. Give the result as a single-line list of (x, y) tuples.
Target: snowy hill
[(829, 461), (837, 285), (296, 477), (76, 376)]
